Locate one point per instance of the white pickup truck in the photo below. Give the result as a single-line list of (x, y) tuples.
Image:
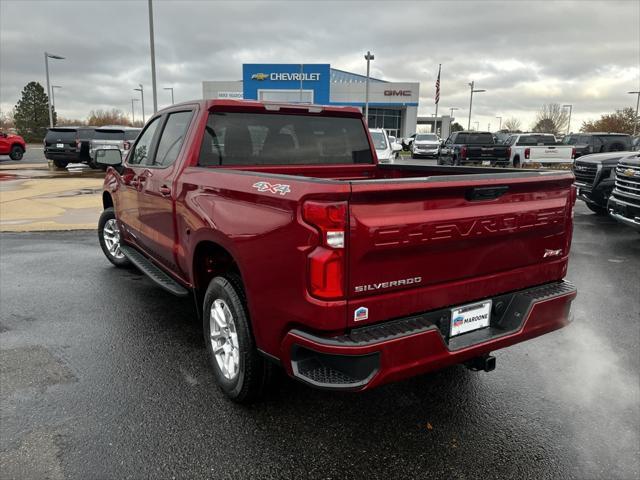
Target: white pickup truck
[(538, 148)]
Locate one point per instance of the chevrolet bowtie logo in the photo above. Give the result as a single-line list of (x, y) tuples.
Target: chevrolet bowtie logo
[(259, 76), (629, 172)]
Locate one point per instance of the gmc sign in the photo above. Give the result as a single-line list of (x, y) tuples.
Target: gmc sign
[(397, 93)]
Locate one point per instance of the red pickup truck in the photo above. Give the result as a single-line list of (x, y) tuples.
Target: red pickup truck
[(300, 250)]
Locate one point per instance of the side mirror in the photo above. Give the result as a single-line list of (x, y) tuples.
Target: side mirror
[(396, 147), (109, 157)]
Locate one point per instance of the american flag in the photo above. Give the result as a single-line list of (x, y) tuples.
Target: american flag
[(438, 86)]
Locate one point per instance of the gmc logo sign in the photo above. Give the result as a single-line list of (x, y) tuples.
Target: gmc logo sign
[(397, 93)]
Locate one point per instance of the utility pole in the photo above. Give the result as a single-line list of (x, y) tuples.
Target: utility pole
[(570, 107), (53, 96), (133, 113), (368, 57), (47, 56), (635, 123), (153, 60), (141, 90), (170, 88), (472, 84)]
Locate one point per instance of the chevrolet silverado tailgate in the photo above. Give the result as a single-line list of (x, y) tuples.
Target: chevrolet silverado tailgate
[(420, 244)]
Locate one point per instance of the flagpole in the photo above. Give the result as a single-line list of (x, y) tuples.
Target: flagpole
[(435, 120)]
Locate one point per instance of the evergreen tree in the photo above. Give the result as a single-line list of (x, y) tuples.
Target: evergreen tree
[(31, 116)]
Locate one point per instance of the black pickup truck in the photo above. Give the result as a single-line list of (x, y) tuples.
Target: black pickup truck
[(595, 178), (624, 202), (472, 147)]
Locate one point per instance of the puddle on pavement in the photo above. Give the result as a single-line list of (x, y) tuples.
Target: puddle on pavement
[(72, 193), (76, 171)]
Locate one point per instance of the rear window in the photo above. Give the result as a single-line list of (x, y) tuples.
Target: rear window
[(379, 142), (61, 134), (131, 134), (86, 133), (233, 138), (109, 135), (536, 140), (426, 138), (475, 138)]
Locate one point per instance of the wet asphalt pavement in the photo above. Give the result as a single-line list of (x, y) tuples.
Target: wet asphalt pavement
[(103, 375)]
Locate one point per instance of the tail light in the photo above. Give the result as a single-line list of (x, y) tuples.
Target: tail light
[(573, 152), (463, 152), (326, 263), (126, 145), (527, 153)]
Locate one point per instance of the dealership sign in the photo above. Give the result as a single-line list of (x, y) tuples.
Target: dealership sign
[(234, 95), (397, 93), (287, 76)]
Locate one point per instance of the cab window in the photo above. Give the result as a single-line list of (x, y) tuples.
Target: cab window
[(172, 138)]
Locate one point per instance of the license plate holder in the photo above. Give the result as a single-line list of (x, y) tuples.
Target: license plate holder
[(471, 317)]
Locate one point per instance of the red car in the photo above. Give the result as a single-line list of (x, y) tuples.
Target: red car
[(301, 251), (12, 145)]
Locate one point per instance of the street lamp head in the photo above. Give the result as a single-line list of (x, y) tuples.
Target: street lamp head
[(478, 91), (168, 88), (634, 93), (51, 55), (138, 89), (369, 56)]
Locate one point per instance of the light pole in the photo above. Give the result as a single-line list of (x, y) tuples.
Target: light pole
[(500, 127), (141, 90), (489, 127), (153, 60), (570, 107), (368, 57), (635, 124), (53, 97), (451, 109), (170, 88), (47, 56), (477, 126), (472, 84), (133, 113)]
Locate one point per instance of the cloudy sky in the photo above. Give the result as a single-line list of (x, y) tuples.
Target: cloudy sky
[(524, 53)]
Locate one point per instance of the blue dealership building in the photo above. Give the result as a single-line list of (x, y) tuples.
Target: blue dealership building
[(392, 105)]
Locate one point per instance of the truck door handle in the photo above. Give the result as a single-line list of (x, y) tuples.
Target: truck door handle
[(165, 191), (486, 193), (135, 182)]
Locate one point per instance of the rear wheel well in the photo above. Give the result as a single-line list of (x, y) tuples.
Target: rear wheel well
[(17, 145), (210, 260), (107, 201)]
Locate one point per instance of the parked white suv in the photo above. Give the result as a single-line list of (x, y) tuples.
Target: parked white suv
[(425, 145), (386, 150)]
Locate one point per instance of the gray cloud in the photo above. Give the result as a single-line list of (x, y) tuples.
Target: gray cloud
[(523, 53)]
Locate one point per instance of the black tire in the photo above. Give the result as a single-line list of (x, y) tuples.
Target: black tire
[(516, 162), (253, 370), (598, 210), (16, 153), (61, 163), (117, 258)]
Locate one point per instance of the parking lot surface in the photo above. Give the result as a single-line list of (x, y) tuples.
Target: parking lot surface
[(103, 375)]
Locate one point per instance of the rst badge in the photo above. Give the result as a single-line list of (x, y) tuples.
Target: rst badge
[(360, 314), (268, 187)]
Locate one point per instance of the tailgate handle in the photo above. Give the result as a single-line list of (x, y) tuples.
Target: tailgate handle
[(486, 193)]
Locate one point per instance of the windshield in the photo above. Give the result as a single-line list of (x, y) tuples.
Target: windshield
[(475, 138), (571, 140), (537, 140), (234, 138), (426, 138), (379, 141), (109, 135)]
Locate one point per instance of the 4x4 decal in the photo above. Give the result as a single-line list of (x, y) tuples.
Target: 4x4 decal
[(268, 187)]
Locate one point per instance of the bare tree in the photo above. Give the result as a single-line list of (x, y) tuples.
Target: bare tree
[(512, 124), (114, 116), (551, 118)]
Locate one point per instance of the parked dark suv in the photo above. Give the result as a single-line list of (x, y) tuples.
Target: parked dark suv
[(65, 145), (595, 178), (586, 143)]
